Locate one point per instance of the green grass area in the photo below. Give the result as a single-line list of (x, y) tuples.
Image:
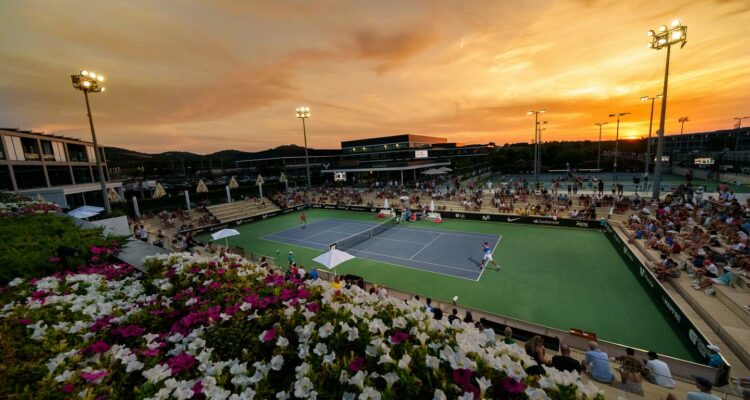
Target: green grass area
[(558, 277)]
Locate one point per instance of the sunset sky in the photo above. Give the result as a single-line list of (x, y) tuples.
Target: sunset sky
[(212, 75)]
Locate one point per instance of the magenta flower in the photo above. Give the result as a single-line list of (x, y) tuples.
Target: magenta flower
[(197, 388), (399, 337), (312, 307), (462, 378), (302, 293), (269, 335), (67, 388), (149, 352), (25, 321), (38, 294), (94, 377), (181, 362), (357, 364), (128, 331), (96, 250), (54, 259), (510, 385), (98, 347)]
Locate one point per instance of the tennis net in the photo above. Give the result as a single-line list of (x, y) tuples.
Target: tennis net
[(353, 240)]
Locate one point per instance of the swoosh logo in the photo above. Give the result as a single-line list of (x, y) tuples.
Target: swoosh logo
[(513, 219)]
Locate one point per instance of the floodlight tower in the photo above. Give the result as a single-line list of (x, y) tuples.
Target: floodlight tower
[(303, 113), (617, 141), (666, 37), (650, 125), (536, 142), (88, 81), (599, 151), (739, 127)]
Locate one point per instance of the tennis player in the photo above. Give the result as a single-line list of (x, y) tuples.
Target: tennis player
[(303, 219), (487, 250)]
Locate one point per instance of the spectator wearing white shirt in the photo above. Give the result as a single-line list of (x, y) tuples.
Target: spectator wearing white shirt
[(658, 371)]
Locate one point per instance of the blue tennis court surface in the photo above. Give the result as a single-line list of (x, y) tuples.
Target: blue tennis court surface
[(452, 253)]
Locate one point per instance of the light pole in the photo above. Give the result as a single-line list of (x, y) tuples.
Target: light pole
[(539, 153), (617, 140), (650, 125), (303, 113), (536, 142), (666, 37), (87, 82), (682, 121), (739, 127), (599, 151)]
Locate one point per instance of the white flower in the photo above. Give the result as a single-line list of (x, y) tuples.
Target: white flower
[(390, 379), (348, 396), (158, 373), (422, 337), (320, 349), (192, 301), (325, 330), (484, 384), (282, 341), (15, 282), (439, 395), (277, 362), (432, 362), (302, 388), (353, 335), (64, 376), (245, 306), (386, 358), (283, 395), (358, 379), (369, 393), (466, 396), (343, 377), (329, 358), (404, 362), (536, 394)]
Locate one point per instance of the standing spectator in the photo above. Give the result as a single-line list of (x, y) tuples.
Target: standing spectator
[(535, 349), (564, 362), (658, 371), (597, 364)]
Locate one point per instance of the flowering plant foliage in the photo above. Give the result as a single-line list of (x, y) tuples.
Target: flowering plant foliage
[(27, 207), (226, 329)]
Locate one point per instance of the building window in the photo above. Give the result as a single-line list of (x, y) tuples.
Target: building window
[(29, 177), (5, 181), (30, 149), (77, 152), (59, 176), (82, 174), (47, 153)]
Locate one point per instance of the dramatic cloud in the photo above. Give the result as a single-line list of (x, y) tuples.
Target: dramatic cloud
[(198, 76)]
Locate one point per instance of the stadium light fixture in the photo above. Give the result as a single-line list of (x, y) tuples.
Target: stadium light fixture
[(599, 151), (737, 136), (650, 125), (303, 113), (676, 33), (536, 142), (88, 81), (617, 140)]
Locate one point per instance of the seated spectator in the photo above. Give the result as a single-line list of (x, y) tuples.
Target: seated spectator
[(313, 274), (437, 313), (631, 382), (336, 283), (508, 335), (454, 316), (725, 279), (468, 317), (715, 360), (597, 364), (535, 349), (564, 362), (658, 371), (709, 270), (628, 362), (704, 387), (263, 262)]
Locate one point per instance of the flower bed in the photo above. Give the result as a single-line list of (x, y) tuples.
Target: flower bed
[(225, 329)]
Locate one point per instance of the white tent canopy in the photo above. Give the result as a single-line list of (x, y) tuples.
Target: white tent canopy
[(444, 169), (224, 234), (85, 212), (332, 258), (385, 204), (202, 188), (113, 196), (159, 192), (432, 171), (233, 183)]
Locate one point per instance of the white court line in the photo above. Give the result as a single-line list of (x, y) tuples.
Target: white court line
[(493, 254), (383, 238), (426, 246), (389, 263), (326, 231)]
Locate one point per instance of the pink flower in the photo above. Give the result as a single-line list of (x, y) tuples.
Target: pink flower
[(98, 347), (462, 378), (68, 388), (96, 250), (198, 387), (399, 337), (510, 385), (39, 294), (94, 377), (312, 307), (149, 352), (181, 362), (25, 321), (269, 335), (357, 364), (128, 331), (54, 259)]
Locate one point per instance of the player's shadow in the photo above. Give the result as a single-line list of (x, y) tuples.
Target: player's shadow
[(478, 263)]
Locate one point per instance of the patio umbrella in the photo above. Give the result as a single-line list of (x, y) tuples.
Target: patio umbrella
[(332, 258), (444, 169), (224, 234), (85, 212), (159, 192), (432, 205), (385, 204), (202, 188), (431, 171), (113, 196), (233, 183), (404, 198)]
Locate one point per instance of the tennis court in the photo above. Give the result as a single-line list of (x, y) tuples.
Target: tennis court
[(456, 254)]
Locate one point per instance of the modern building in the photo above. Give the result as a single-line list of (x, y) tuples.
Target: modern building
[(399, 157), (59, 169)]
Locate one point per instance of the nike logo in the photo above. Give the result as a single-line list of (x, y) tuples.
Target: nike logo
[(513, 219)]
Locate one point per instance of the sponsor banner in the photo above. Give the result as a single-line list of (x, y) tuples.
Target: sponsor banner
[(516, 219), (688, 332)]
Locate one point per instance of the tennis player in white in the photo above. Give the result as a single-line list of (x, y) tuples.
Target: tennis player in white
[(487, 250)]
